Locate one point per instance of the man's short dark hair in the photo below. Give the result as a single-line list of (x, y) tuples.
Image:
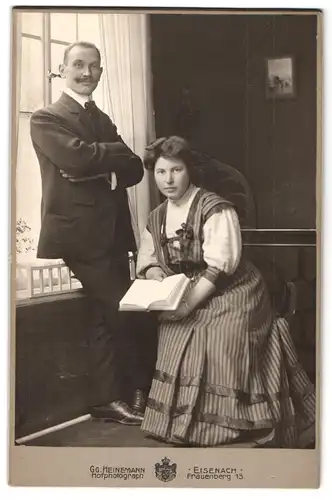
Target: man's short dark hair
[(85, 45)]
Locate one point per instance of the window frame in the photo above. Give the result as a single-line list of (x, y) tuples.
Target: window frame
[(46, 41)]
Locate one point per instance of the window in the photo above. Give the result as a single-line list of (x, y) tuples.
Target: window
[(44, 38), (28, 185)]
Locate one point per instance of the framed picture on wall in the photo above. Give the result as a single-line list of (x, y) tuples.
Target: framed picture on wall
[(280, 81)]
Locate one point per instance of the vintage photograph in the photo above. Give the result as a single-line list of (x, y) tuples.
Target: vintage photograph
[(167, 237)]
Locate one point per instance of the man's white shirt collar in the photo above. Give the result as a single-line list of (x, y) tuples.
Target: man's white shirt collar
[(81, 99)]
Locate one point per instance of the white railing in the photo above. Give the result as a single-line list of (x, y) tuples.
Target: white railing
[(45, 279)]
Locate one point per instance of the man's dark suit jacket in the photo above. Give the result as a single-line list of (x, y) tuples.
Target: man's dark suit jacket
[(82, 219)]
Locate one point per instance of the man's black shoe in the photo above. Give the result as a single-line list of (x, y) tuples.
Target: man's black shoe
[(139, 401), (117, 411)]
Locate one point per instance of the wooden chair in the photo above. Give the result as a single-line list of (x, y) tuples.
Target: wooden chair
[(231, 184)]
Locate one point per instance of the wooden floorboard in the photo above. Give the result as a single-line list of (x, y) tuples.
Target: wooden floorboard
[(97, 433)]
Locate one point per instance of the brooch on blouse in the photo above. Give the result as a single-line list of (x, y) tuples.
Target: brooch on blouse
[(186, 232), (184, 235)]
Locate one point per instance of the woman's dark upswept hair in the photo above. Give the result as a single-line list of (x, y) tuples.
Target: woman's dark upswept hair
[(169, 147)]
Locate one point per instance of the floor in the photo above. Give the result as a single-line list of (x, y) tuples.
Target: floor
[(99, 433)]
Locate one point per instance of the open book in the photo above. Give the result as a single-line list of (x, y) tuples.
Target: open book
[(153, 295)]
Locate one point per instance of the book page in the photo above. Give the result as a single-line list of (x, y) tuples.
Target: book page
[(175, 295), (169, 285), (142, 293)]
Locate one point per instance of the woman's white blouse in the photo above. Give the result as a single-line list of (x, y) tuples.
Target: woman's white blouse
[(222, 237)]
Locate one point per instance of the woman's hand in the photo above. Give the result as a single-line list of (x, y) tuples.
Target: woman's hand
[(197, 295), (182, 312), (155, 273)]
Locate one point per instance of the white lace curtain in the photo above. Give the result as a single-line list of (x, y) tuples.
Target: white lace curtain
[(128, 94)]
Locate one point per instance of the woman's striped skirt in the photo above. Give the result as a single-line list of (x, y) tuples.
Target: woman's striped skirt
[(229, 373)]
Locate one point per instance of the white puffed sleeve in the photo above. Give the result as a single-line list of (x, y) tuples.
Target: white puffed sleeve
[(222, 241), (146, 256)]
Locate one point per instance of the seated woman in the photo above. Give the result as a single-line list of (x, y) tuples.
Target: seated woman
[(226, 369)]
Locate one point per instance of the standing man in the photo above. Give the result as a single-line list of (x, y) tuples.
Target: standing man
[(85, 220)]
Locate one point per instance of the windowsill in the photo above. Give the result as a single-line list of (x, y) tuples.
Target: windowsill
[(32, 301), (37, 279)]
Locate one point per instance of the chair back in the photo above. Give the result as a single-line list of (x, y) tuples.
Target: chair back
[(229, 183)]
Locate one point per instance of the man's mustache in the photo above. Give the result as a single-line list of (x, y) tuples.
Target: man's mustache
[(84, 80)]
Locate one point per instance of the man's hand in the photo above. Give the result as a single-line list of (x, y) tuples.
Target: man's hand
[(71, 178), (155, 273)]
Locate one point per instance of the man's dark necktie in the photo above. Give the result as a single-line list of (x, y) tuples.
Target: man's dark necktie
[(93, 113)]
